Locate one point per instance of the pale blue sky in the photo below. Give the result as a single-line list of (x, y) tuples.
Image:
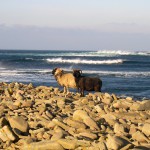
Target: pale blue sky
[(75, 24)]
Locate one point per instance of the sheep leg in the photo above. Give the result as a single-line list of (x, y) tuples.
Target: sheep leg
[(82, 92), (65, 90)]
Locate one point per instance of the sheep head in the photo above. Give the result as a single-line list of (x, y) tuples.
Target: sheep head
[(57, 71), (77, 73)]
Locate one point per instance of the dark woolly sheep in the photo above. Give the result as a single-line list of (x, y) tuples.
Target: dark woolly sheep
[(87, 83)]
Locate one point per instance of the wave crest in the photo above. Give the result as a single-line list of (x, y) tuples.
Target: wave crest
[(78, 61), (121, 52)]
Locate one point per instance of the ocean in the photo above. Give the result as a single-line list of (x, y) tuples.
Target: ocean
[(125, 73)]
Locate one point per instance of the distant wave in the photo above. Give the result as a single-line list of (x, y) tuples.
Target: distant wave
[(32, 73), (122, 52), (79, 61), (119, 73), (35, 73), (99, 53)]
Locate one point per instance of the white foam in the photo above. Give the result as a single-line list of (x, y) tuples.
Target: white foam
[(119, 73), (121, 52), (79, 61)]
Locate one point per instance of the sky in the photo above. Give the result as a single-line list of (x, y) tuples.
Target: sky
[(75, 24)]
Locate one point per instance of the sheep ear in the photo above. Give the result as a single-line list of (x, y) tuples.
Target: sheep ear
[(81, 71), (61, 71), (54, 70)]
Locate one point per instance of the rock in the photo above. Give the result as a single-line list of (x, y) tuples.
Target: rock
[(27, 103), (81, 115), (51, 116), (58, 134), (114, 97), (146, 129), (88, 135), (144, 105), (102, 146), (3, 135), (42, 108), (129, 98), (122, 104), (18, 123), (116, 142), (75, 124), (107, 100), (7, 93), (110, 118), (68, 144), (42, 145), (6, 134), (11, 106), (140, 137), (118, 128), (127, 147), (3, 122), (60, 124), (1, 110)]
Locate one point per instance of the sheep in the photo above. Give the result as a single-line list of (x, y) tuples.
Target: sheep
[(67, 80), (87, 83)]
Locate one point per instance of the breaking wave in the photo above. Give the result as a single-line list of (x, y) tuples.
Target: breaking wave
[(121, 52), (119, 73), (79, 61)]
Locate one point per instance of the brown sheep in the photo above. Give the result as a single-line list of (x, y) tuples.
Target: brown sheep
[(67, 80), (87, 83)]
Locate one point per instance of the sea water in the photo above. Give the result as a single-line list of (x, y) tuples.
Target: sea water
[(125, 73)]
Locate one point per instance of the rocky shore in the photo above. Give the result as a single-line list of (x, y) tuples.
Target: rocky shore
[(40, 118)]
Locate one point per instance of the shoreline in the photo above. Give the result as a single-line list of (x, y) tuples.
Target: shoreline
[(42, 117)]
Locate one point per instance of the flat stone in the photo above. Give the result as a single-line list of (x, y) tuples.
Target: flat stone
[(146, 129), (43, 145), (18, 123), (139, 136), (68, 144), (116, 142)]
